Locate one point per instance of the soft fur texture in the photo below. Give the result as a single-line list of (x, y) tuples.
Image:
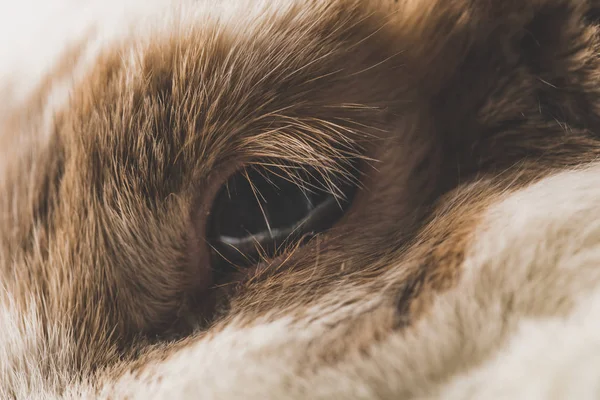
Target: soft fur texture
[(466, 268)]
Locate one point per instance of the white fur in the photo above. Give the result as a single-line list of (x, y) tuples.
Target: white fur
[(548, 358)]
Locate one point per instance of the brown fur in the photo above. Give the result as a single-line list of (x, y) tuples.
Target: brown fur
[(451, 104)]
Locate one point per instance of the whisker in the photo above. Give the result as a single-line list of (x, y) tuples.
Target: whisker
[(254, 191)]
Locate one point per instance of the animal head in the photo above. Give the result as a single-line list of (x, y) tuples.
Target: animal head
[(306, 188)]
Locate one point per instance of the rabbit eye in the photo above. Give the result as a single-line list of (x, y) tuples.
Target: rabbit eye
[(259, 212)]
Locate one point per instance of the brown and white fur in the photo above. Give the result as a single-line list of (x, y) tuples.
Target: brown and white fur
[(468, 266)]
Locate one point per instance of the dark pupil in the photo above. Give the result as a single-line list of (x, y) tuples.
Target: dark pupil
[(260, 212)]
